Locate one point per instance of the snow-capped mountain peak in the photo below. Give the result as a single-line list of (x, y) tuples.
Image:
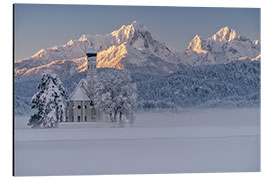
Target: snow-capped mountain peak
[(139, 37), (127, 32), (70, 42), (225, 34), (39, 53), (138, 26), (224, 46), (83, 38), (196, 45)]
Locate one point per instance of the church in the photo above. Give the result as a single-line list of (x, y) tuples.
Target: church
[(81, 106)]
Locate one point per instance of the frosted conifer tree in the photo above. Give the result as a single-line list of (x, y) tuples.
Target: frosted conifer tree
[(48, 102), (116, 95)]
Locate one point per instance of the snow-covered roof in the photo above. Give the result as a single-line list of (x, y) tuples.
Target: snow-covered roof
[(79, 95), (91, 50)]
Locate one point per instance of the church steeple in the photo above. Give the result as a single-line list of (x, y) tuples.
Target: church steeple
[(91, 54), (81, 106)]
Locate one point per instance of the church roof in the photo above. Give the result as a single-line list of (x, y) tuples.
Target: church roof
[(79, 94)]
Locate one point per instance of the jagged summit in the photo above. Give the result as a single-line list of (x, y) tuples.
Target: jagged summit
[(138, 26), (224, 46), (196, 45), (135, 25), (225, 34), (127, 32)]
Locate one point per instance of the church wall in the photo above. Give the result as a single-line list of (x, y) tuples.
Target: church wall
[(86, 110)]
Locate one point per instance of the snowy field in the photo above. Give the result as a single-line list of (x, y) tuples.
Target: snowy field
[(183, 142)]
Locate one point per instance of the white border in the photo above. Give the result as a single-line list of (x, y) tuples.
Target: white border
[(6, 85)]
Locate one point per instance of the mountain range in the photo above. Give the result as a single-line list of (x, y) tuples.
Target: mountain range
[(135, 48), (220, 71)]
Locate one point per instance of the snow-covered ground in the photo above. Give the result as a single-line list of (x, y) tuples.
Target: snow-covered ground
[(183, 142)]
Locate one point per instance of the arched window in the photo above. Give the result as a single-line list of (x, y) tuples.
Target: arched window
[(85, 118), (79, 107)]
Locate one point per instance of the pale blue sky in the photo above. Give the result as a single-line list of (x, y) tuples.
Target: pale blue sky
[(41, 26)]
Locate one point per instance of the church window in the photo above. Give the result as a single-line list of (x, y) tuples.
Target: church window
[(79, 107), (85, 107), (72, 119), (79, 118), (85, 118)]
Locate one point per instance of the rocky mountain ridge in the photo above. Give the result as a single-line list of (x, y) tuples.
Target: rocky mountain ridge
[(133, 47)]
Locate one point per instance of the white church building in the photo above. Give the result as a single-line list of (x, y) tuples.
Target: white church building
[(81, 106)]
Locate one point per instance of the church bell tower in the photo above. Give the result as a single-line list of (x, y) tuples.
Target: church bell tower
[(91, 54)]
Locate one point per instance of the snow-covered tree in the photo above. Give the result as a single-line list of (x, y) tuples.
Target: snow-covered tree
[(48, 102), (116, 95)]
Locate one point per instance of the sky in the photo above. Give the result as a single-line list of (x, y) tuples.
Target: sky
[(38, 26)]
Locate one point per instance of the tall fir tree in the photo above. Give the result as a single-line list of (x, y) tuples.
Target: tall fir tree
[(48, 102)]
